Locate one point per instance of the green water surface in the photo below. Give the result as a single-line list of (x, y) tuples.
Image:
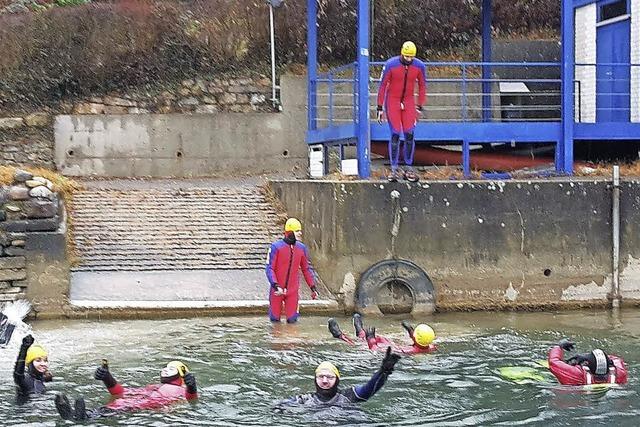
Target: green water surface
[(244, 365)]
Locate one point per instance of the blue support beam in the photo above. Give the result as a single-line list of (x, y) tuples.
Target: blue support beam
[(312, 64), (486, 57), (363, 126), (565, 152)]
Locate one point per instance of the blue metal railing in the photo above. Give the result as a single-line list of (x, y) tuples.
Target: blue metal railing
[(337, 92), (455, 95)]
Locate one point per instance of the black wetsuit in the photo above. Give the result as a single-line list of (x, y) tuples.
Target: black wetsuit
[(359, 393), (31, 382)]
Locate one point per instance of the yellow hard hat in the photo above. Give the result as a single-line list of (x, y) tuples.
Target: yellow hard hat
[(328, 366), (408, 49), (423, 335), (34, 352), (180, 367), (292, 224)]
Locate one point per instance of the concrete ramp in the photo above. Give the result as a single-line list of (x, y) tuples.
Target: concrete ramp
[(174, 244)]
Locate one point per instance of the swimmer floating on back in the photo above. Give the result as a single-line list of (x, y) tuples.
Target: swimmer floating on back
[(594, 367), (176, 384), (422, 337)]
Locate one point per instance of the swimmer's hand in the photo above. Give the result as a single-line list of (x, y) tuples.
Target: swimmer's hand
[(190, 382), (27, 341), (566, 345), (389, 362), (102, 373), (370, 333)]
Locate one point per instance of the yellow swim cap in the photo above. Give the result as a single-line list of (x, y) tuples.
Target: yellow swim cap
[(34, 352), (292, 224), (408, 49), (329, 367), (424, 335)]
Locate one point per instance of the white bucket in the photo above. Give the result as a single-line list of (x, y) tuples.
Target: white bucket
[(349, 167), (316, 161)]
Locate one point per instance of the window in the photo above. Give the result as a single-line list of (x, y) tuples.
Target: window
[(613, 10)]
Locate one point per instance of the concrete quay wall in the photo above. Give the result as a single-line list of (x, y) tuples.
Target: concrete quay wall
[(484, 244)]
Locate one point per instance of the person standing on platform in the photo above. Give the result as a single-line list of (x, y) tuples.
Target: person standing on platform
[(396, 98)]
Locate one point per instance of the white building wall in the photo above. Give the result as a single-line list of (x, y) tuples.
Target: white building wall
[(635, 59), (585, 53)]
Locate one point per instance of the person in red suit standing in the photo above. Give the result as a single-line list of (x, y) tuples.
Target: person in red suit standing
[(595, 367), (396, 98), (286, 258)]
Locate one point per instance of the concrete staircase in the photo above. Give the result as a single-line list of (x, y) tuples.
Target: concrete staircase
[(173, 244)]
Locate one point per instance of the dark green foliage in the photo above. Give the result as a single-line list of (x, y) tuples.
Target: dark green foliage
[(104, 45)]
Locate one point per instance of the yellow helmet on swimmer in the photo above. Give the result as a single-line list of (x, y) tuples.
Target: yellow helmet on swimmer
[(180, 367), (408, 49), (35, 351), (423, 335), (173, 371), (328, 366), (292, 224)]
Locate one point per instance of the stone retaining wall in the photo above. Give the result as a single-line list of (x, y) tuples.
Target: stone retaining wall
[(29, 211), (28, 139)]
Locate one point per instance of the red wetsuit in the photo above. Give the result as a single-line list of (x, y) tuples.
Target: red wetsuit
[(580, 375), (380, 343), (152, 396), (396, 93), (283, 264)]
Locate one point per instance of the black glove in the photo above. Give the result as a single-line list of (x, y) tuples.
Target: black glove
[(566, 345), (370, 333), (389, 362), (408, 327), (102, 373), (27, 341), (576, 360), (190, 382)]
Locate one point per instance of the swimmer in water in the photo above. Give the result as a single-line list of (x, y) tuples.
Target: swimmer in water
[(176, 384), (422, 337), (327, 381)]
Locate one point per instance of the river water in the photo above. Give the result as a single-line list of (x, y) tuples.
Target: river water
[(244, 364)]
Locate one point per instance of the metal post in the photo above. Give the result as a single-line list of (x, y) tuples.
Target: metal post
[(363, 125), (615, 213), (486, 58), (464, 93), (567, 114), (312, 63), (273, 58)]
